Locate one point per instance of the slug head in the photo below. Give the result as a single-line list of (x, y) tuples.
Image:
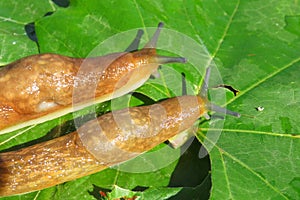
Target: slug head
[(147, 55), (116, 74), (141, 64), (210, 106)]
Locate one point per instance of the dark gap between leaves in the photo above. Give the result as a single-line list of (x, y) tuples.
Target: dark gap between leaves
[(62, 3), (145, 99), (140, 189), (192, 171), (98, 192), (228, 87), (30, 31)]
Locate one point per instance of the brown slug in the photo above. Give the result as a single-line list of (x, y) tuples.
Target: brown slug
[(42, 87), (106, 141)]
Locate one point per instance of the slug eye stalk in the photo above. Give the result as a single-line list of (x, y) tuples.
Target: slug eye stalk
[(166, 59), (154, 39)]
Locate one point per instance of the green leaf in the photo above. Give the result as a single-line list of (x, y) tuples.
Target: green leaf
[(256, 155), (254, 46), (151, 193), (293, 24), (13, 18)]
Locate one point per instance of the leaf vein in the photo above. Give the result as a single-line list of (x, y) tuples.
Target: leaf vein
[(259, 82), (254, 173), (294, 136)]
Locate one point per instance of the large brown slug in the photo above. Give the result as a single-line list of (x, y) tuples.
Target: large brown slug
[(108, 140), (42, 87)]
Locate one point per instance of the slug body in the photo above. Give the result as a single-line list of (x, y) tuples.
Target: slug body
[(41, 87), (106, 141), (103, 143)]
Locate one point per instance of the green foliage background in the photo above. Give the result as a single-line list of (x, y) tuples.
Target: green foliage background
[(255, 45)]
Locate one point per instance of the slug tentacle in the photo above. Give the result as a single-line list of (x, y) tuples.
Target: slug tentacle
[(135, 43), (219, 109), (183, 85), (154, 39), (204, 87), (42, 87), (210, 106), (167, 59)]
